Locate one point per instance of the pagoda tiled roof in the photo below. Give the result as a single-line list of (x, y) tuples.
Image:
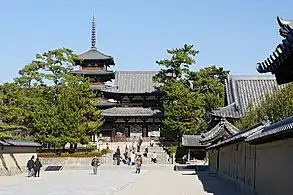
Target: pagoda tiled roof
[(132, 112), (93, 72), (242, 91), (223, 129), (134, 82), (94, 54)]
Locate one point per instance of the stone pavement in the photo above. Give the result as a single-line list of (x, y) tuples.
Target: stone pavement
[(66, 182), (169, 182), (118, 180)]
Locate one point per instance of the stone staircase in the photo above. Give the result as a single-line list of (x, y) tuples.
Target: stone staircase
[(161, 155)]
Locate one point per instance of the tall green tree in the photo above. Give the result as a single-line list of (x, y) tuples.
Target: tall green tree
[(54, 104), (189, 95), (9, 111), (183, 111), (178, 66), (209, 83)]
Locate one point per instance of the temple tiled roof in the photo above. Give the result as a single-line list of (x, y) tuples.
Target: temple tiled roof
[(132, 111), (241, 135), (191, 140), (106, 104), (134, 82), (279, 57), (280, 128), (285, 26), (221, 130), (22, 143), (242, 91)]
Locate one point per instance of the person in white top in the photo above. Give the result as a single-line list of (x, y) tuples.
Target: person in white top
[(154, 158), (152, 143), (132, 158)]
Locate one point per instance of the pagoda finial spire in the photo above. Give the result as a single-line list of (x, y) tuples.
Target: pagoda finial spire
[(93, 38)]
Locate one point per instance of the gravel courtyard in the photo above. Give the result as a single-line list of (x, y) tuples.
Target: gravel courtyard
[(113, 180)]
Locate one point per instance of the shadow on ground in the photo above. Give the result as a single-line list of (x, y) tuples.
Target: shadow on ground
[(211, 183)]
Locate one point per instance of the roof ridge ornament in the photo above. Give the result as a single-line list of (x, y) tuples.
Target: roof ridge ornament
[(285, 26), (93, 37)]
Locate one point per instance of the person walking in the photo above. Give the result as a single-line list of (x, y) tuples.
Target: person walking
[(146, 151), (138, 163), (37, 167), (154, 158), (132, 158), (95, 164), (30, 166), (139, 143), (118, 155), (152, 143)]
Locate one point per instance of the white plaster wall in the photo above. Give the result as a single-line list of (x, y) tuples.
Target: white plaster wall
[(14, 159)]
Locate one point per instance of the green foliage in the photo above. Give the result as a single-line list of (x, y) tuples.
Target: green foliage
[(105, 151), (5, 136), (71, 155), (54, 105), (183, 110), (189, 95), (177, 67), (172, 150), (276, 107), (209, 84)]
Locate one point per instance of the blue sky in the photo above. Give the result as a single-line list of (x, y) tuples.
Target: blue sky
[(228, 33)]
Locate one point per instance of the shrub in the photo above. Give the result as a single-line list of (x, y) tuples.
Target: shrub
[(73, 155), (105, 151), (172, 149), (60, 150)]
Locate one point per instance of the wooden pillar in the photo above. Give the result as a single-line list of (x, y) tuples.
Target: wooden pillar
[(188, 155), (126, 130), (130, 98), (120, 98), (144, 127), (144, 101), (114, 129), (159, 99)]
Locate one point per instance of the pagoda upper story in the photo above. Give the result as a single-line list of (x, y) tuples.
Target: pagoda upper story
[(94, 64)]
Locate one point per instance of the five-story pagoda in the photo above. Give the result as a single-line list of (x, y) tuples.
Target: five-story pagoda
[(94, 64)]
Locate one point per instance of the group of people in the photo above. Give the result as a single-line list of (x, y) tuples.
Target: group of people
[(34, 167)]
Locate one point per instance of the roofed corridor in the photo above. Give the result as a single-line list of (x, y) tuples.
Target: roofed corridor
[(119, 181)]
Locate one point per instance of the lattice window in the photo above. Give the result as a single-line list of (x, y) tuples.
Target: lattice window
[(135, 130)]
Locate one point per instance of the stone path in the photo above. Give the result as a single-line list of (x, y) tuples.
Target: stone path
[(67, 182), (169, 182), (118, 181)]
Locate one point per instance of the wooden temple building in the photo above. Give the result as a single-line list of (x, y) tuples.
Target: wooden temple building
[(243, 158), (279, 63), (242, 92), (130, 100)]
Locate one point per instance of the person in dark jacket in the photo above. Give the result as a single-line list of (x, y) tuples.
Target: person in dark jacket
[(118, 155), (95, 164), (37, 167), (30, 166)]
